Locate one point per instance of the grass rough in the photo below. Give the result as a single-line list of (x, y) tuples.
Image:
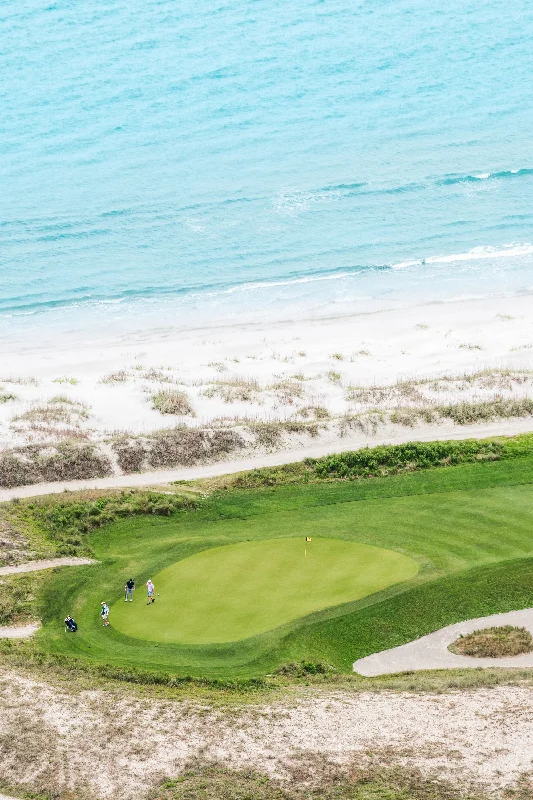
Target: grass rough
[(498, 642)]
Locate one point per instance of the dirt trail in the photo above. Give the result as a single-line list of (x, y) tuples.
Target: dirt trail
[(19, 632), (47, 563), (53, 738), (352, 441)]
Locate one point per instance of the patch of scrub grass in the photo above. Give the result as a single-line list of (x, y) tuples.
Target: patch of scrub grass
[(157, 375), (498, 642), (333, 377), (312, 777), (66, 379), (112, 378), (288, 390), (5, 397), (172, 401), (337, 356), (231, 390), (470, 346), (18, 596)]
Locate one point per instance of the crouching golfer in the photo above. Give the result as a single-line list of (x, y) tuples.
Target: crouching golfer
[(105, 613), (128, 590), (151, 592)]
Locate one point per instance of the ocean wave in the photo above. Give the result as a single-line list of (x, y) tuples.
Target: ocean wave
[(451, 180), (474, 254), (21, 306)]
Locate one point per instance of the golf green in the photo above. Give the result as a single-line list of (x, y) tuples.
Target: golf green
[(229, 593)]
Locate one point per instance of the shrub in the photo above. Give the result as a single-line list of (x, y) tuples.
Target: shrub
[(68, 460), (172, 401), (391, 458), (494, 642), (183, 446), (73, 461), (68, 522), (16, 471), (130, 454)]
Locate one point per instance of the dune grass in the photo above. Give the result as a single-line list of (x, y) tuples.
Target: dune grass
[(498, 642), (467, 527)]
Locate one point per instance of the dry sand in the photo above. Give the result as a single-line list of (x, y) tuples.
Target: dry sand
[(323, 359), (48, 737), (364, 350)]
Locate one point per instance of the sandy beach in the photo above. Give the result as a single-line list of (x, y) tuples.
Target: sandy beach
[(329, 385)]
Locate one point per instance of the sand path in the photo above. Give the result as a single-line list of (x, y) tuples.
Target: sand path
[(353, 441), (431, 652), (47, 563)]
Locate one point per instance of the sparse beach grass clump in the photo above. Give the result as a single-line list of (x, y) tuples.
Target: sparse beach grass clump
[(6, 396), (112, 378), (158, 375), (66, 379), (172, 401), (288, 390), (231, 390), (498, 642)]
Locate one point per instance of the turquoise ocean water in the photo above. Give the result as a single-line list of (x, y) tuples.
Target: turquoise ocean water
[(179, 163)]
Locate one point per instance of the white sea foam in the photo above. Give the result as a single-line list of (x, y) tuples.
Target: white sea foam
[(475, 254)]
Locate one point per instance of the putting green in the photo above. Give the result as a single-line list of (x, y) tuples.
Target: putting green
[(229, 593)]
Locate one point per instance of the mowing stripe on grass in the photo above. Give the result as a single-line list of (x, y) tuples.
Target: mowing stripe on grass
[(229, 593)]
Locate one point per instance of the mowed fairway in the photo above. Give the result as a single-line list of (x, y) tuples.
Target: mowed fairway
[(231, 605), (229, 593)]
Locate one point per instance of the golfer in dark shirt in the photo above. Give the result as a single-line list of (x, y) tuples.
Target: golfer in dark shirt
[(129, 589)]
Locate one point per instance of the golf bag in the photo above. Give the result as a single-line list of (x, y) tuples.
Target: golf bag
[(70, 625)]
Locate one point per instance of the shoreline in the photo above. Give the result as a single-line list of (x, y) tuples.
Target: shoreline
[(265, 395)]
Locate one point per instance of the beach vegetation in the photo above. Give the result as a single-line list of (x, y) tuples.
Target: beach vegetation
[(20, 380), (288, 390), (219, 366), (231, 390), (337, 356), (66, 379), (497, 642), (470, 346), (333, 377), (157, 375), (67, 460), (182, 446), (316, 412), (118, 376), (58, 409), (311, 777), (172, 401), (5, 396)]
